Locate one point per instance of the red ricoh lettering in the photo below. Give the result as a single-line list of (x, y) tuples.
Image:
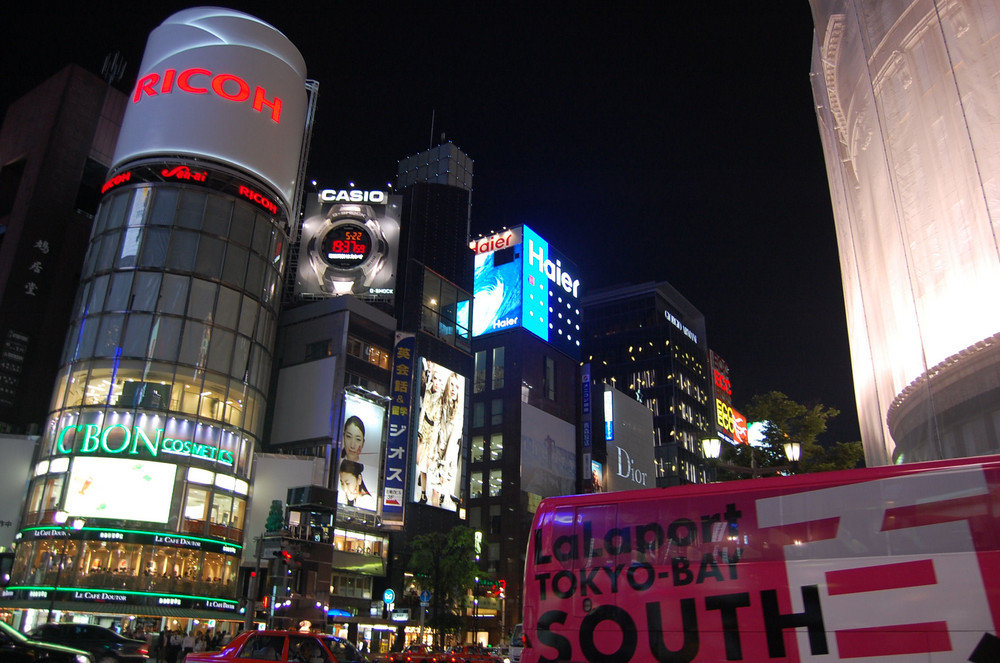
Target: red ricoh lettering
[(258, 198), (202, 81), (121, 178)]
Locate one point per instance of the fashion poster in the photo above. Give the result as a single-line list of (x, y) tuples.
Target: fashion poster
[(360, 452), (440, 422)]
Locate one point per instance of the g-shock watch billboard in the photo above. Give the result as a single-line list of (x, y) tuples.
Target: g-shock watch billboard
[(348, 248)]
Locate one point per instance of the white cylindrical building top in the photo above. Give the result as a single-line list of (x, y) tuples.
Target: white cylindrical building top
[(221, 85)]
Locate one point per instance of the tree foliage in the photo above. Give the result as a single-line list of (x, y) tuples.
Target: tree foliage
[(275, 517), (791, 421), (444, 564)]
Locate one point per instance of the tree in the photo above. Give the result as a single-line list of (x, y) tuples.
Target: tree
[(275, 517), (786, 421), (444, 564)]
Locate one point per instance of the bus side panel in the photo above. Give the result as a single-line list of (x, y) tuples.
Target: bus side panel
[(902, 568)]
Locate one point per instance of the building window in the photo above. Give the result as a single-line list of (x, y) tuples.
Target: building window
[(496, 482), (319, 350), (549, 380), (496, 446), (365, 351), (496, 413), (478, 445), (479, 384), (478, 415), (476, 485), (498, 368)]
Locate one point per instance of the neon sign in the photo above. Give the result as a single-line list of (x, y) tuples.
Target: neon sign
[(118, 439), (228, 86)]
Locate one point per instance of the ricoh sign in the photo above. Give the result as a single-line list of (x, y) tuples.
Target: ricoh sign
[(219, 84)]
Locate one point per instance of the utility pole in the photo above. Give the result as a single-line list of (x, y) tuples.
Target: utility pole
[(251, 604)]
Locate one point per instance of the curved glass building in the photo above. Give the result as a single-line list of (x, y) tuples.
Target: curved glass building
[(140, 488), (908, 102)]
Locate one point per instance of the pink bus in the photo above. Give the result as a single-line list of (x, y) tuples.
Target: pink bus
[(890, 564)]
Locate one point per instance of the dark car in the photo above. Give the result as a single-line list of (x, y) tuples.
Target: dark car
[(105, 645), (16, 647)]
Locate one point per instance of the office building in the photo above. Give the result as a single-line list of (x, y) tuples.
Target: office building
[(909, 114), (56, 146), (526, 394), (649, 341)]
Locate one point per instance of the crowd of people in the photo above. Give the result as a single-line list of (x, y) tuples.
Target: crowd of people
[(171, 646)]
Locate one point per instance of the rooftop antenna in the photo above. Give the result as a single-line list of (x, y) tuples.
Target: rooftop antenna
[(430, 143), (113, 68)]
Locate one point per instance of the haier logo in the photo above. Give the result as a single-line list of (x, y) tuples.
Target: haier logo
[(552, 270)]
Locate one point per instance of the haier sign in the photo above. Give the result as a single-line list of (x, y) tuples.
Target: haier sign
[(521, 281)]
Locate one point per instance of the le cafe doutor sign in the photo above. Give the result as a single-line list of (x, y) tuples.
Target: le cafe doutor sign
[(119, 439)]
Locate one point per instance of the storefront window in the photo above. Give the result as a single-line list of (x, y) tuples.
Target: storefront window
[(195, 510)]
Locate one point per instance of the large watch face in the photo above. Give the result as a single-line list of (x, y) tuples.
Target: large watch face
[(346, 245)]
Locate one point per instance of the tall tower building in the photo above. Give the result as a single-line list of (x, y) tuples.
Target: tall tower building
[(908, 102), (55, 149), (525, 398), (160, 396)]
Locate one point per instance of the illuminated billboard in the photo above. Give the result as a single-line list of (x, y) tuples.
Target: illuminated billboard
[(439, 430), (521, 281), (221, 85), (120, 489), (359, 468), (349, 244), (629, 437)]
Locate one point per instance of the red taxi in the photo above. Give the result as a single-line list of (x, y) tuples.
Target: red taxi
[(287, 646)]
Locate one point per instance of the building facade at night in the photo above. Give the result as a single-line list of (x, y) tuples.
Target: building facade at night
[(526, 394), (164, 376), (909, 114), (56, 146), (649, 341)]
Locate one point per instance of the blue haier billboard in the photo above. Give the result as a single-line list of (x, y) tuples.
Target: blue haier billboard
[(521, 281)]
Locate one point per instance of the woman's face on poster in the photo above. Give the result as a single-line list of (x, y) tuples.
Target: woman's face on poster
[(354, 440)]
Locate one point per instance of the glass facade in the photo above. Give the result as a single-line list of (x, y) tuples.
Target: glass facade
[(160, 398)]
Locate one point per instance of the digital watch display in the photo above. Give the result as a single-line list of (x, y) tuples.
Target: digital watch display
[(348, 249)]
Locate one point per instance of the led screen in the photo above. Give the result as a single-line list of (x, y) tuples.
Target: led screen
[(439, 430), (120, 489), (548, 453), (360, 452), (528, 284)]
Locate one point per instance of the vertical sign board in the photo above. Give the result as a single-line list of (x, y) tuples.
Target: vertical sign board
[(399, 426)]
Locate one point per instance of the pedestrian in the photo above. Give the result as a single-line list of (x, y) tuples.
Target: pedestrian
[(187, 645), (174, 646)]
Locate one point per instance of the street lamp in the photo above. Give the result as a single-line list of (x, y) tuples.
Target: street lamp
[(61, 518), (712, 449)]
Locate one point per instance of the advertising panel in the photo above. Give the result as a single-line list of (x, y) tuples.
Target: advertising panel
[(349, 244), (630, 448), (211, 78), (359, 469), (120, 489), (548, 453), (399, 425), (439, 431), (521, 281), (894, 563)]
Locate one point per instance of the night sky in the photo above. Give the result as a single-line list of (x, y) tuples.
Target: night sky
[(672, 141)]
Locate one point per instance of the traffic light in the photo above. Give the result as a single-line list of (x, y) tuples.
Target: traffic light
[(283, 555)]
